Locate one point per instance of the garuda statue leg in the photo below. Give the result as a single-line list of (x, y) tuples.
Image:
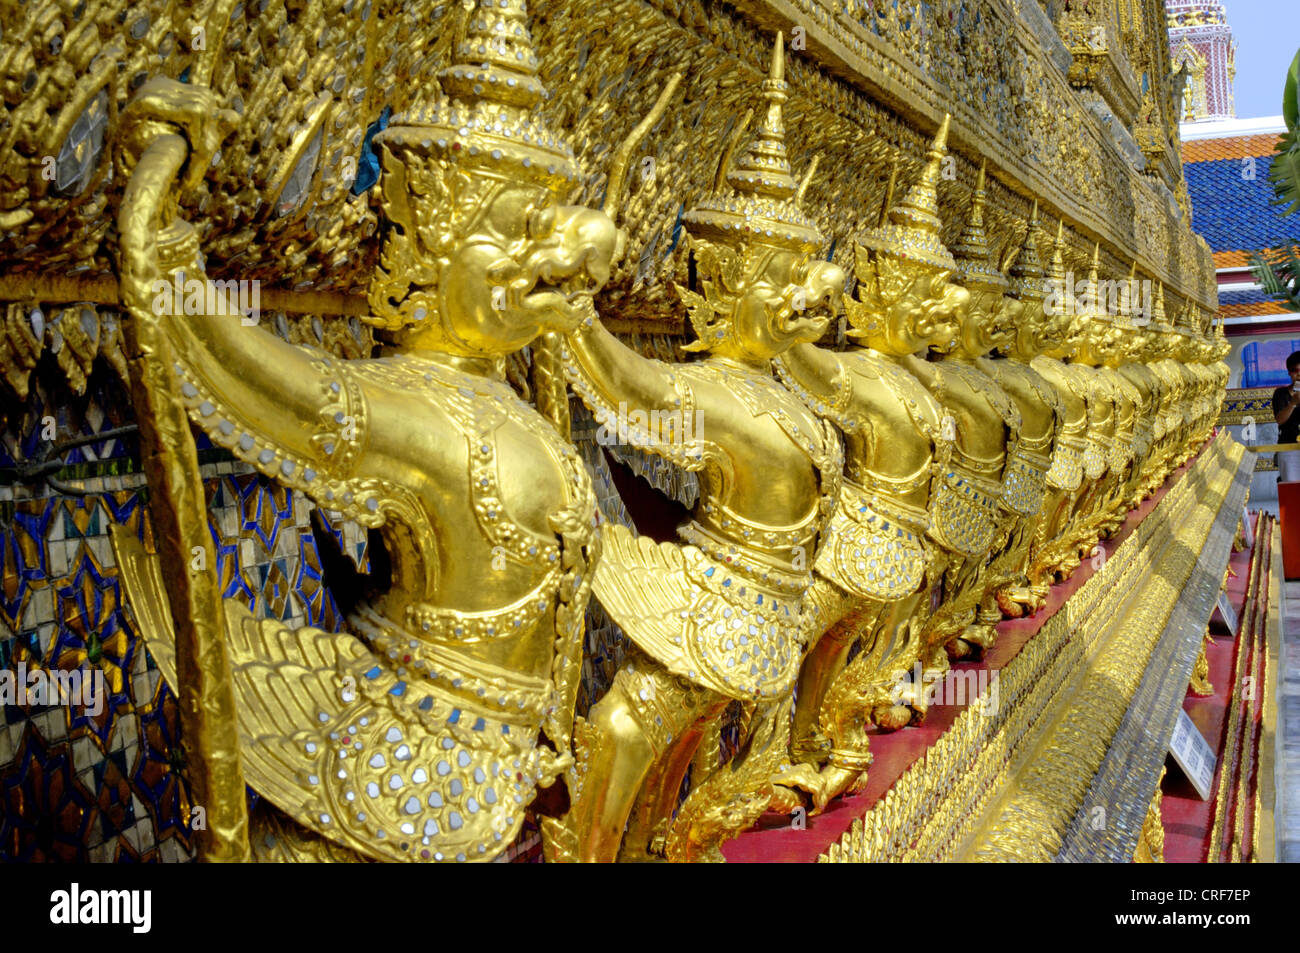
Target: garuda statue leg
[(732, 798), (644, 731), (647, 829), (847, 697), (841, 622), (839, 625), (962, 589), (1006, 570)]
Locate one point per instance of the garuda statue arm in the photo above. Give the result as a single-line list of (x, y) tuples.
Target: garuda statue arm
[(613, 379), (819, 378), (295, 414)]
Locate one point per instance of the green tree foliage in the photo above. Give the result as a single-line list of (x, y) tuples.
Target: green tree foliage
[(1278, 272), (1278, 269)]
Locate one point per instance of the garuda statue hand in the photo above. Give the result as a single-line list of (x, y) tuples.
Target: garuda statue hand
[(165, 106)]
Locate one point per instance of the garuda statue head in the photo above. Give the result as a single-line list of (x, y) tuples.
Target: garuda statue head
[(1134, 344), (479, 255), (1128, 326), (1163, 339), (1136, 340), (986, 323), (1219, 346), (905, 302), (1121, 342), (753, 249), (1207, 348), (1059, 305), (1037, 328), (1120, 305), (1098, 334), (1188, 335)]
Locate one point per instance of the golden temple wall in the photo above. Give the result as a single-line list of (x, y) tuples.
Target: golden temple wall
[(867, 89)]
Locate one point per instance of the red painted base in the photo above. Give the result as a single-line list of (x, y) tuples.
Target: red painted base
[(1288, 505)]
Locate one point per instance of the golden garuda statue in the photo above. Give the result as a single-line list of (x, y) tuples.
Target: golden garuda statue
[(873, 571), (1025, 482), (1196, 357), (424, 730), (1132, 422), (1065, 477), (716, 616), (1173, 389), (1099, 355), (968, 514), (1110, 414), (1074, 527), (1130, 362)]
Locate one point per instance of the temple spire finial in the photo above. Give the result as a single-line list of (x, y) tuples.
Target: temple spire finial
[(911, 228), (764, 204), (1027, 270), (974, 267), (764, 168)]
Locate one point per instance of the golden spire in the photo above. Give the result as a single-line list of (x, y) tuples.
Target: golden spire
[(1056, 271), (1183, 321), (913, 227), (495, 60), (1130, 298), (1098, 306), (488, 119), (1027, 271), (763, 204), (1158, 319), (764, 169), (974, 269), (920, 206)]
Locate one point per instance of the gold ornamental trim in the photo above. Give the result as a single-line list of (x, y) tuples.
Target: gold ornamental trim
[(995, 784), (1265, 840)]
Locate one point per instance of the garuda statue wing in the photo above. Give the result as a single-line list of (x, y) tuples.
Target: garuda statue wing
[(643, 586), (378, 766), (704, 622)]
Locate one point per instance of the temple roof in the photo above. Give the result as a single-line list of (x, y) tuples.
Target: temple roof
[(1226, 165), (1232, 199)]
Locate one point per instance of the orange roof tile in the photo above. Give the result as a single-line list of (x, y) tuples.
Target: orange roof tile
[(1229, 147), (1250, 310), (1231, 259)]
